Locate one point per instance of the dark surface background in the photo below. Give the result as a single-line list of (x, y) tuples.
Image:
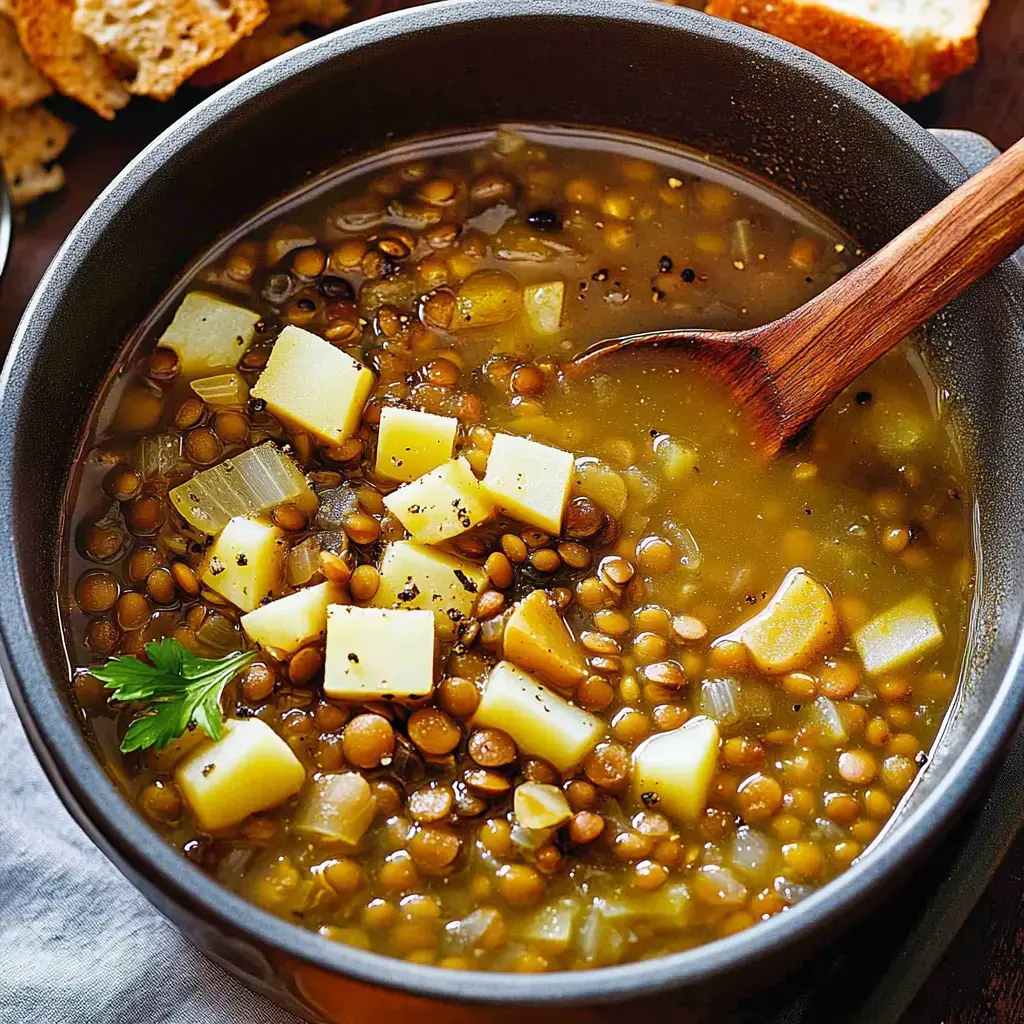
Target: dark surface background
[(980, 980)]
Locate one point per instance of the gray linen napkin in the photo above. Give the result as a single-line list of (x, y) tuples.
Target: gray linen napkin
[(78, 944)]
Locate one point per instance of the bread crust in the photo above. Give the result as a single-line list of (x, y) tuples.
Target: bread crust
[(873, 53)]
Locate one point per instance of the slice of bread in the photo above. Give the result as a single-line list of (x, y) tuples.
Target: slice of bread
[(166, 41), (905, 49), (30, 140), (65, 56)]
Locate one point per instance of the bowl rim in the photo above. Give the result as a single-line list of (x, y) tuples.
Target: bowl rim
[(121, 832)]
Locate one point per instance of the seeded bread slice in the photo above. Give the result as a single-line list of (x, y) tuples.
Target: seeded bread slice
[(905, 49)]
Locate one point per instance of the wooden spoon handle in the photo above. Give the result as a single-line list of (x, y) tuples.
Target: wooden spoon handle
[(821, 348)]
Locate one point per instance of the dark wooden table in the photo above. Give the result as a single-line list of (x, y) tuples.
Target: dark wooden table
[(981, 978)]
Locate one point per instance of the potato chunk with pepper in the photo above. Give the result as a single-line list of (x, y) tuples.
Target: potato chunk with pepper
[(538, 640), (793, 628)]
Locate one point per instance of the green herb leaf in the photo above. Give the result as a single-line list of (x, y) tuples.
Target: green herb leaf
[(182, 690)]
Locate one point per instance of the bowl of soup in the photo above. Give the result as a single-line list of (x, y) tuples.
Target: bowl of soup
[(377, 645)]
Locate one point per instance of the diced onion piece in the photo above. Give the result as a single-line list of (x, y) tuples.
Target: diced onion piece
[(825, 715), (750, 855), (158, 455), (539, 805), (218, 636), (899, 636), (466, 933), (337, 807), (676, 457), (550, 929), (598, 942), (742, 240), (303, 562), (222, 389), (247, 485), (719, 699), (597, 481), (542, 304), (529, 839)]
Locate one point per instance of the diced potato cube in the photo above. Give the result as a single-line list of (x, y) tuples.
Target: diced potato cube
[(208, 333), (677, 767), (542, 304), (249, 769), (538, 805), (378, 653), (414, 576), (541, 722), (666, 909), (793, 628), (411, 443), (537, 639), (446, 502), (312, 385), (245, 562), (290, 622), (899, 636), (530, 481), (339, 808)]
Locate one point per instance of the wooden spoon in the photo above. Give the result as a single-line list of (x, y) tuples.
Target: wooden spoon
[(785, 373)]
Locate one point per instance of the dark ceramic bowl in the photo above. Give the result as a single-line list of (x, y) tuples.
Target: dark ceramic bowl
[(640, 67)]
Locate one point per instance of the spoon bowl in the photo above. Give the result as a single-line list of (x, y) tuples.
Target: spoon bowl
[(785, 373)]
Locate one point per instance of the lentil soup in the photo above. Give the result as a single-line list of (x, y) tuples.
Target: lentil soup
[(510, 668)]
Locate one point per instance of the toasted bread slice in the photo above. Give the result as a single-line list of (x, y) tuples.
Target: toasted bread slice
[(20, 84), (283, 30), (905, 49), (166, 42), (30, 140), (65, 56)]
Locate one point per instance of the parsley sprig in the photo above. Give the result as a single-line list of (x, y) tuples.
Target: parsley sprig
[(183, 691)]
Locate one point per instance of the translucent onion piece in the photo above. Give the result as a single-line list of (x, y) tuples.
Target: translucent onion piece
[(218, 636), (338, 807), (750, 855), (464, 934), (246, 485), (687, 550), (222, 389), (642, 487), (742, 241), (530, 839), (823, 714), (827, 829), (792, 892), (303, 562), (598, 942), (159, 455), (676, 457), (719, 699), (600, 483)]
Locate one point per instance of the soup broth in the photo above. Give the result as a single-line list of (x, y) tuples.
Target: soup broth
[(570, 675)]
